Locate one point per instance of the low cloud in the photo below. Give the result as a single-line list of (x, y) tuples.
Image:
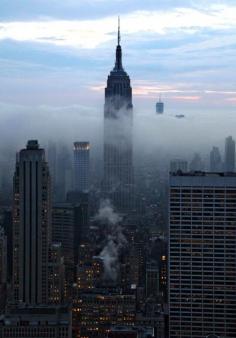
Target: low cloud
[(90, 34)]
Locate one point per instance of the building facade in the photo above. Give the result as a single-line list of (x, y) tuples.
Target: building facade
[(202, 256), (118, 145), (81, 166), (31, 226)]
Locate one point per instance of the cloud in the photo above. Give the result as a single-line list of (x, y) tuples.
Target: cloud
[(186, 98), (231, 99), (90, 34)]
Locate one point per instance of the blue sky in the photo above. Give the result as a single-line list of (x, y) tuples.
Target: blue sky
[(56, 55)]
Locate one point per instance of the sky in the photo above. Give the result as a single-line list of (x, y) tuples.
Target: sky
[(55, 56)]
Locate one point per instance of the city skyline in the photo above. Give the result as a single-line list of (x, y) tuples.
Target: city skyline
[(52, 58), (117, 217)]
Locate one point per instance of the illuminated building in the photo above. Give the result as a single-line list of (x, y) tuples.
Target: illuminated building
[(202, 256), (81, 166), (97, 312), (89, 273), (56, 275), (118, 144), (163, 267), (31, 226)]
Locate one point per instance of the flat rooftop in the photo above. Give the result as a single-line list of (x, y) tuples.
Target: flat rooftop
[(202, 174)]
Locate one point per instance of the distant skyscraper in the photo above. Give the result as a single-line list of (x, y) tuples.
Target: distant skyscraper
[(202, 256), (81, 166), (177, 165), (118, 145), (64, 174), (31, 226), (215, 160), (160, 107), (229, 154), (52, 162), (196, 164)]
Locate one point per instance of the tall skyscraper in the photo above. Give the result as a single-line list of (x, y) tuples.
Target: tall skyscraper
[(118, 145), (229, 154), (215, 160), (81, 166), (31, 226), (202, 255)]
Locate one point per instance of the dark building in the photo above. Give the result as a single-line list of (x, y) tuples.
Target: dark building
[(3, 270), (178, 165), (81, 166), (159, 107), (37, 322), (118, 145), (6, 222), (63, 223), (202, 256), (229, 154), (52, 162), (64, 175), (31, 226), (80, 203)]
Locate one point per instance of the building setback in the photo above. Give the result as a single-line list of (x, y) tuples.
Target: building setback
[(202, 255)]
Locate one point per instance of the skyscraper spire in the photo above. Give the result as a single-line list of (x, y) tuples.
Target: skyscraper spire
[(118, 65), (118, 31)]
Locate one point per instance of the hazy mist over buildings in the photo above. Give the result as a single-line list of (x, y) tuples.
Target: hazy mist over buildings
[(54, 58)]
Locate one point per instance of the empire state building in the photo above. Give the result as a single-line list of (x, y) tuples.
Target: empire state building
[(118, 145)]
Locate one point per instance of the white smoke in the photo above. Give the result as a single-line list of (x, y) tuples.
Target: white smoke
[(114, 242), (106, 213)]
